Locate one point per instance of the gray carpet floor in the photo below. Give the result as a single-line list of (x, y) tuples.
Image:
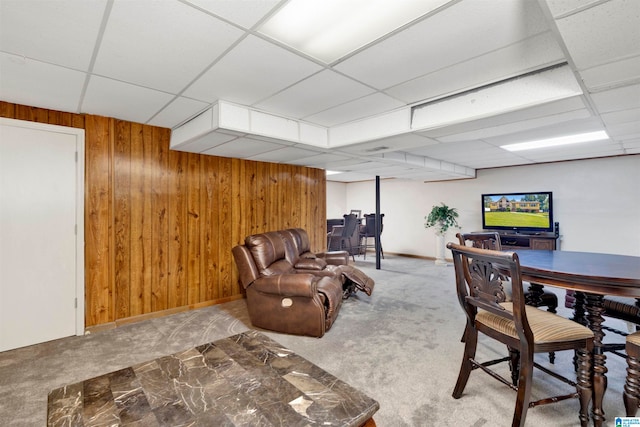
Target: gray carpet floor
[(401, 346)]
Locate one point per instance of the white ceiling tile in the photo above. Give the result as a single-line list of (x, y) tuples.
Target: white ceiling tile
[(525, 114), (178, 108), (112, 98), (564, 7), (575, 154), (622, 129), (602, 33), (324, 90), (612, 74), (347, 163), (549, 131), (29, 82), (516, 59), (364, 166), (366, 106), (162, 47), (205, 142), (62, 32), (408, 172), (243, 148), (349, 177), (402, 142), (498, 163), (271, 139), (245, 13), (632, 144), (249, 73), (580, 148), (284, 155), (320, 159), (153, 50), (624, 116), (512, 95), (628, 137), (452, 151), (622, 98), (518, 127), (488, 25)]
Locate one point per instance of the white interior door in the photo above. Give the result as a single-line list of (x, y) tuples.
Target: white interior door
[(41, 233)]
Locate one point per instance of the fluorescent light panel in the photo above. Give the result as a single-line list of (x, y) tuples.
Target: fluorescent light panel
[(330, 29), (328, 172), (561, 140)]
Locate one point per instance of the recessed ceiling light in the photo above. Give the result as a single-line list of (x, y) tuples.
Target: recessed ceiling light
[(553, 142), (330, 29), (332, 172)]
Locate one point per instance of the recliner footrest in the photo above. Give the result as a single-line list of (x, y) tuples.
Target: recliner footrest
[(356, 279)]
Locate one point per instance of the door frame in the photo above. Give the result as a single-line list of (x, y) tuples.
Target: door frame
[(80, 150)]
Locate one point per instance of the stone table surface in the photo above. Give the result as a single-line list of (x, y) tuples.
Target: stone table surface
[(244, 380)]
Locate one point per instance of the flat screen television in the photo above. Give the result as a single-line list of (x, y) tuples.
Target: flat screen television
[(526, 213)]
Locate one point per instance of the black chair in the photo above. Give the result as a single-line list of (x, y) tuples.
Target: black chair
[(347, 237), (369, 231)]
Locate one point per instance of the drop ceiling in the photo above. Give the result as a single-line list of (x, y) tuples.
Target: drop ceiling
[(432, 100)]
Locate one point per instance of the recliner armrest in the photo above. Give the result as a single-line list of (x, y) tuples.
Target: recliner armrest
[(290, 285), (334, 257)]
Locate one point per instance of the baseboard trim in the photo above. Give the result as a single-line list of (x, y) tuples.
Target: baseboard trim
[(429, 258), (133, 319)]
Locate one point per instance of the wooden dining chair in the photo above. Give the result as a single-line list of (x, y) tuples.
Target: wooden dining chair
[(525, 329), (491, 240), (631, 391)]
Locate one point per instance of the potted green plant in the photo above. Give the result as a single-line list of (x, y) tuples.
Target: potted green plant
[(441, 217)]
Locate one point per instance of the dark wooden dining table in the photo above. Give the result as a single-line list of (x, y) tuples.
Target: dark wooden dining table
[(595, 275)]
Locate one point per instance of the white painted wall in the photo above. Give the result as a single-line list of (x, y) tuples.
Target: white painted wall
[(596, 201), (337, 199)]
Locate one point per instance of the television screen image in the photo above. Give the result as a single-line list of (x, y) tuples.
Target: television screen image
[(520, 212)]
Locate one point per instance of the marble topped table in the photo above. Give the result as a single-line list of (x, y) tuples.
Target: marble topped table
[(244, 380)]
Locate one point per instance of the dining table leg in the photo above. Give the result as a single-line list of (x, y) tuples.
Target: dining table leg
[(594, 307)]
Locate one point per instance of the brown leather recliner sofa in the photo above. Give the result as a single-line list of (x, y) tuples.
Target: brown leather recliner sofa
[(290, 289)]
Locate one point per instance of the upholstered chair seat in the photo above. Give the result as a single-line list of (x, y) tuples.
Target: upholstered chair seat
[(546, 327)]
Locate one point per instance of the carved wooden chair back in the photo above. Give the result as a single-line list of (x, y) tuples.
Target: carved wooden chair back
[(481, 240)]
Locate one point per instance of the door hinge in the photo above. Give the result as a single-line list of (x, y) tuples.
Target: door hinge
[(76, 157), (75, 302)]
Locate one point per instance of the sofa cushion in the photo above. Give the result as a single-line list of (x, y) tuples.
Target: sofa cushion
[(267, 248), (281, 266), (310, 264)]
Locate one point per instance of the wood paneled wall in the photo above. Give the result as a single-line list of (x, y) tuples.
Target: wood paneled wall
[(160, 224)]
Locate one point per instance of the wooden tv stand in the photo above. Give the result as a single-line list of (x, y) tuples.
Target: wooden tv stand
[(544, 241), (529, 240)]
